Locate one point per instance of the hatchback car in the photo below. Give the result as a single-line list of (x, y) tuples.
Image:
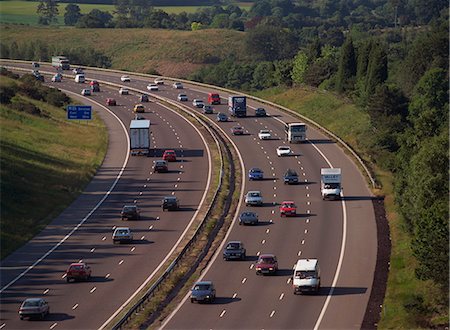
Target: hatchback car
[(203, 291), (152, 87), (255, 173), (221, 117), (169, 155), (78, 271), (253, 198), (130, 212), (125, 79), (139, 108), (267, 264), (260, 112), (248, 218), (160, 166), (111, 102), (283, 151), (182, 97), (85, 92), (234, 250), (122, 234), (198, 103), (288, 208), (170, 203), (177, 85), (159, 81), (34, 307), (290, 177), (124, 91), (144, 98), (264, 134), (207, 109), (237, 130)]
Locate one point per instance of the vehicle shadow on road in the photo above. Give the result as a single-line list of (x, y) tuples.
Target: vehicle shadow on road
[(225, 300), (360, 198), (58, 317), (284, 272), (341, 291), (321, 141), (264, 223)]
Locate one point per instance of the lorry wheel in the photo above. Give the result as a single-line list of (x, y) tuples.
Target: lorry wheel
[(192, 300)]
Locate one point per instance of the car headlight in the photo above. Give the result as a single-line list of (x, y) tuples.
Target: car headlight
[(207, 296), (270, 268)]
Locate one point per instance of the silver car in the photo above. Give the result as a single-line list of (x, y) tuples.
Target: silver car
[(253, 198), (34, 307), (122, 234)]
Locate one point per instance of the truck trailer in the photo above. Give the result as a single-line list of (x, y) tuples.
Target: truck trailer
[(237, 106), (60, 62), (140, 137), (330, 183)]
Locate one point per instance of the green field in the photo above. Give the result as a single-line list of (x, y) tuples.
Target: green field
[(46, 162), (24, 12)]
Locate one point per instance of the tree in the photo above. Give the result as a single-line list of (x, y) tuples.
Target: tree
[(72, 14), (263, 75), (376, 71), (282, 73), (196, 26), (345, 79), (95, 19), (47, 11), (299, 68)]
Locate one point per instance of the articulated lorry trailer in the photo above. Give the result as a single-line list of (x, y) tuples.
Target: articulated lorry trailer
[(140, 137), (237, 106)]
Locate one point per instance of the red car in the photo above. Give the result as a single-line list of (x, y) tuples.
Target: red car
[(237, 130), (288, 208), (170, 156), (267, 264), (78, 271), (110, 102)]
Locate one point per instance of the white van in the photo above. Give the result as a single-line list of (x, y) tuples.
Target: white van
[(79, 78), (306, 276)]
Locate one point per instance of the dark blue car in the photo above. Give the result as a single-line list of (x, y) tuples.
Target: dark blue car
[(255, 174)]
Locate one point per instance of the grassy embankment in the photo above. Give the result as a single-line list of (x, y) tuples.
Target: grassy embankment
[(169, 52), (352, 125), (24, 12), (45, 164)]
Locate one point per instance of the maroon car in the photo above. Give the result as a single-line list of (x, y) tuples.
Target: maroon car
[(170, 156), (267, 264), (78, 271)]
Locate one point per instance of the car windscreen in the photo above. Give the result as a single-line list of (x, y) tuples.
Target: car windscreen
[(33, 303), (232, 246), (266, 261), (202, 287), (305, 274)]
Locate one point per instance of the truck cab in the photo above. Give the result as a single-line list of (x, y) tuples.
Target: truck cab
[(213, 98), (330, 183), (306, 276)]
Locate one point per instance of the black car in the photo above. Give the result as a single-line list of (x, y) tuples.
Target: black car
[(160, 166), (170, 203), (203, 292), (143, 98), (248, 218), (260, 112), (290, 177), (234, 250), (130, 212)]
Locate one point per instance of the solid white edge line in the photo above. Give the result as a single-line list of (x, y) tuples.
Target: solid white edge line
[(220, 248), (90, 213), (181, 236)]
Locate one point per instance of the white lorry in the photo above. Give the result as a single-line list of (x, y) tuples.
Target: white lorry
[(330, 183), (140, 137), (60, 62), (306, 276)]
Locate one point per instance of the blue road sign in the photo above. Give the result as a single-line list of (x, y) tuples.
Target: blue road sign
[(79, 112)]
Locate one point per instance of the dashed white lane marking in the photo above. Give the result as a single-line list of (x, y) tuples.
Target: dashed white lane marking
[(234, 295), (140, 193), (151, 227), (2, 326), (114, 227), (289, 280), (176, 186), (178, 179), (223, 313), (273, 174), (251, 266), (81, 260), (306, 231), (75, 306), (142, 238), (293, 267), (93, 289), (307, 220), (307, 195), (244, 279), (308, 203), (157, 218), (64, 275), (273, 211), (107, 275), (133, 248), (271, 314), (307, 187), (267, 231), (257, 254), (281, 296), (121, 262), (308, 211), (263, 241), (299, 253), (46, 291), (275, 180), (92, 250), (181, 166), (274, 188), (304, 174), (135, 201), (173, 192), (270, 163), (303, 241), (53, 325), (271, 221)]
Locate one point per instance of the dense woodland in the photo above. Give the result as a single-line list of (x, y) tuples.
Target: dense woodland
[(389, 57)]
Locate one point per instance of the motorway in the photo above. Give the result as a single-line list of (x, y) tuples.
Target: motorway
[(341, 234), (118, 270)]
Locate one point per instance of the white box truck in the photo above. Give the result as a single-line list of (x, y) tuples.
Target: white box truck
[(306, 276), (140, 137), (330, 183), (60, 62)]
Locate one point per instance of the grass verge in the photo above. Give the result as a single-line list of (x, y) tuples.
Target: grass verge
[(37, 152)]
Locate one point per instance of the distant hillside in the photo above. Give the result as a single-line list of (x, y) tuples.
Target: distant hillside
[(168, 52)]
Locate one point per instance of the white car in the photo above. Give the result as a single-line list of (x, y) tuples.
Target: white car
[(177, 85), (152, 87), (283, 151), (125, 79), (85, 92), (182, 97), (123, 91), (122, 234), (198, 103), (159, 81), (264, 134)]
